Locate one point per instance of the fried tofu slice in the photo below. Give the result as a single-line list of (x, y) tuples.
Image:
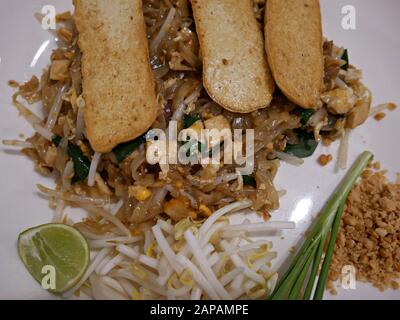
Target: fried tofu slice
[(235, 68), (294, 44), (118, 85)]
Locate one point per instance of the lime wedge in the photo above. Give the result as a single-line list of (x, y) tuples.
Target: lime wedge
[(56, 255)]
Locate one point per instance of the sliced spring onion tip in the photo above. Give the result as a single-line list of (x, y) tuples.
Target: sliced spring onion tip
[(292, 281)]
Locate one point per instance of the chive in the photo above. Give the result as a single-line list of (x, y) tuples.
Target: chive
[(295, 294), (316, 263), (249, 181), (81, 163), (190, 119), (305, 115), (56, 140), (305, 147), (290, 284), (286, 290), (319, 291), (345, 57), (123, 150)]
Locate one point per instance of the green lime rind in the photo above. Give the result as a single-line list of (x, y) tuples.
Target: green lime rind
[(57, 245)]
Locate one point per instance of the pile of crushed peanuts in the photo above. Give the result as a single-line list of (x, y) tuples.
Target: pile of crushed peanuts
[(369, 235)]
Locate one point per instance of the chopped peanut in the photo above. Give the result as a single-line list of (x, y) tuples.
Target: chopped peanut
[(350, 220), (376, 165), (368, 235), (13, 83), (392, 106), (325, 159), (380, 116)]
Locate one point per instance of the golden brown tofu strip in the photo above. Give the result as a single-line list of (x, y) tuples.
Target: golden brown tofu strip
[(118, 85), (294, 41), (236, 72)]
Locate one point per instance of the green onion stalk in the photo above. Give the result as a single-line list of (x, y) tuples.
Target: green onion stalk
[(298, 281)]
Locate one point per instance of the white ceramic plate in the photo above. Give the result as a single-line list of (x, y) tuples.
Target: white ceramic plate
[(25, 48)]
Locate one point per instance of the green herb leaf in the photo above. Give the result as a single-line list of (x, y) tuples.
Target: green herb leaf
[(249, 181), (81, 163), (305, 147), (125, 149), (305, 115), (56, 140), (190, 119), (345, 57)]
